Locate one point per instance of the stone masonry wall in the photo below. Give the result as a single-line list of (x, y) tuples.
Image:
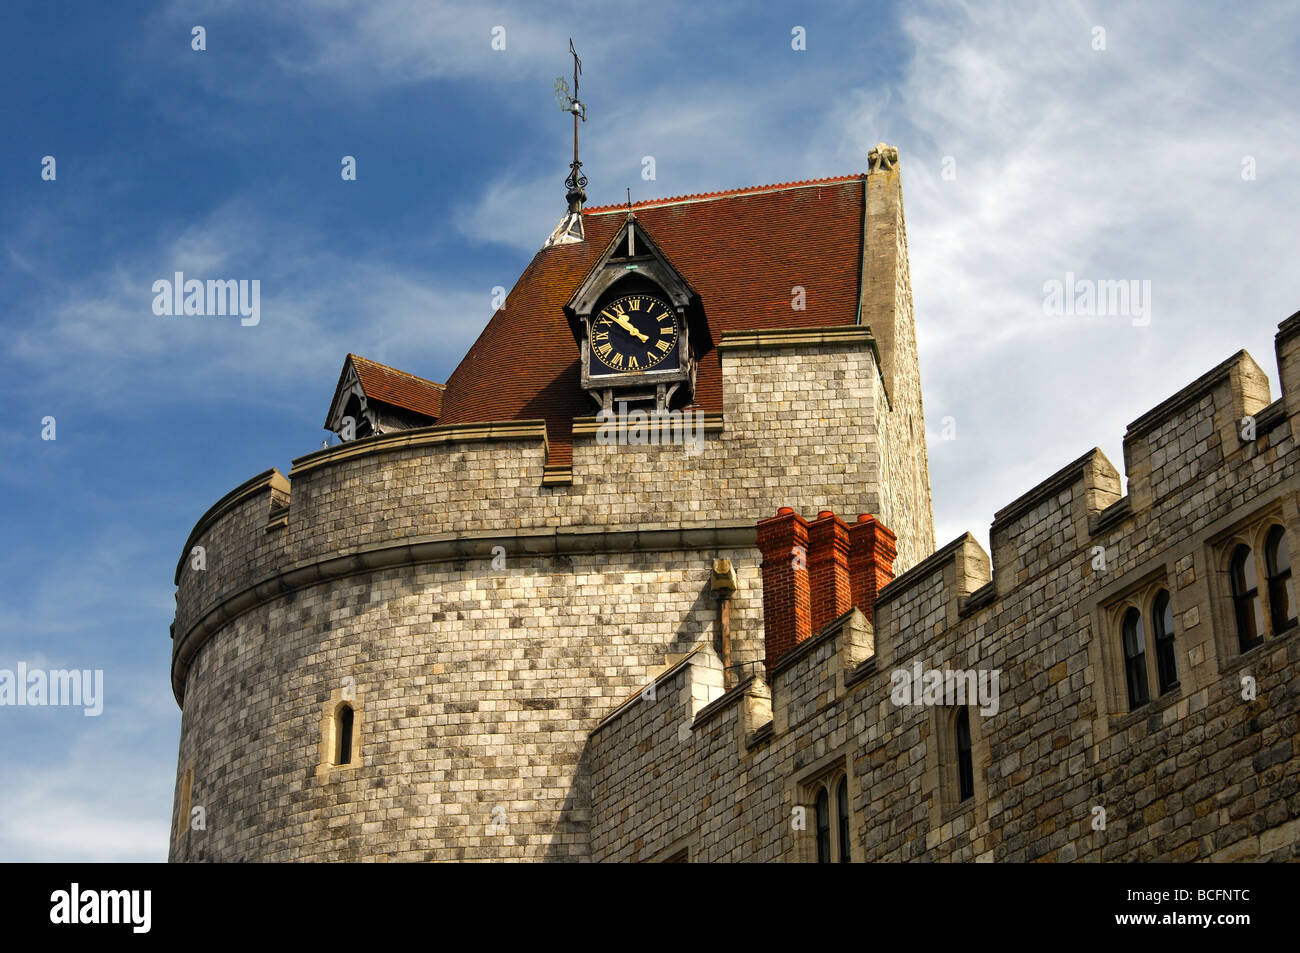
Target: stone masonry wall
[(1198, 773), (476, 687)]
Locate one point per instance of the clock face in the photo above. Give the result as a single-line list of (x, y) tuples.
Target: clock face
[(634, 333)]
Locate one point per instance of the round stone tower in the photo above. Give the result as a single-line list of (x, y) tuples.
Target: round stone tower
[(399, 651)]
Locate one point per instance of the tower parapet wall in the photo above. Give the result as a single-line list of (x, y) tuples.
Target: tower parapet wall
[(456, 492)]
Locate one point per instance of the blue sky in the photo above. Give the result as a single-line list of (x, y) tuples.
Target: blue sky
[(1117, 163)]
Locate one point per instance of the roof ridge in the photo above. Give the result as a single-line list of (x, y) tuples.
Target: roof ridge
[(395, 370), (725, 193)]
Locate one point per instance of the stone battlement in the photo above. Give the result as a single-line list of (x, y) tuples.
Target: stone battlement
[(1065, 763), (1181, 441)]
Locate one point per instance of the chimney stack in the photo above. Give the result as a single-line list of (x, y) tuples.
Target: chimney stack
[(828, 569), (787, 608), (815, 572), (871, 560)]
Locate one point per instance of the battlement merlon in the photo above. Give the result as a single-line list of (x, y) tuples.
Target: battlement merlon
[(830, 663), (927, 599), (1192, 431), (1051, 521)]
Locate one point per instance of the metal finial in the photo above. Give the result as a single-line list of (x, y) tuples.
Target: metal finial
[(576, 183), (570, 228)]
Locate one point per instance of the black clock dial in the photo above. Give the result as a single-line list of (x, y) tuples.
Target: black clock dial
[(633, 333)]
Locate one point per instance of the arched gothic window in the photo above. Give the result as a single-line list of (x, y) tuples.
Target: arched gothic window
[(842, 808), (1135, 659), (1281, 596), (965, 762), (823, 820), (1245, 598), (343, 734), (1166, 658)]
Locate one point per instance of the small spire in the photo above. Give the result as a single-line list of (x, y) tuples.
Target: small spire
[(570, 228), (576, 183)]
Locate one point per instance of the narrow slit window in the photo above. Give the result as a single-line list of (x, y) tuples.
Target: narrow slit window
[(1281, 596), (343, 734), (965, 763), (1166, 657), (1245, 598), (1135, 659)]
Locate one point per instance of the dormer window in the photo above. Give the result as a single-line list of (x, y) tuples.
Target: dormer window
[(373, 398)]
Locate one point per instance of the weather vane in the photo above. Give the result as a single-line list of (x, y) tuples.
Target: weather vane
[(576, 183)]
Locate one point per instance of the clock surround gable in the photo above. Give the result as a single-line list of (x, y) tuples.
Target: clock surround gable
[(633, 264)]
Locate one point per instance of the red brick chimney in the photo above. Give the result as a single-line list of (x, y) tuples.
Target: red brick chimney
[(871, 560), (828, 569), (787, 611), (814, 572)]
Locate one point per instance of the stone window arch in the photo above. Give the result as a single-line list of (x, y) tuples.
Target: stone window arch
[(344, 724), (1139, 653), (341, 746), (825, 792)]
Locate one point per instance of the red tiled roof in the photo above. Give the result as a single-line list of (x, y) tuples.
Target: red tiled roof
[(743, 252), (388, 385)]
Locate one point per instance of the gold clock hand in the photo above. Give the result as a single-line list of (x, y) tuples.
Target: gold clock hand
[(624, 322)]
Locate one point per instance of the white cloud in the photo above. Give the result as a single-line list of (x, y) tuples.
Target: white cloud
[(367, 44), (702, 137), (101, 803), (1115, 164), (107, 795), (98, 342)]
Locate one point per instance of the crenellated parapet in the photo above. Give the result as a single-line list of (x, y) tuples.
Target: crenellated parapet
[(1057, 752), (1208, 441)]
